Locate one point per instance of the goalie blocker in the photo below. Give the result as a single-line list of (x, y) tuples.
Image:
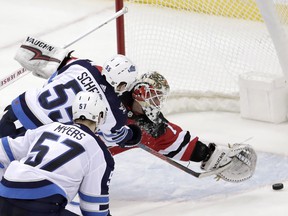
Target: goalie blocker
[(40, 57), (240, 160)]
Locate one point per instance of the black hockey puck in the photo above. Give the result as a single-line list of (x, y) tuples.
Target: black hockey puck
[(277, 186)]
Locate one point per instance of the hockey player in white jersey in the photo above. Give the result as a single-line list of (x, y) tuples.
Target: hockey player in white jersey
[(53, 102), (54, 162)]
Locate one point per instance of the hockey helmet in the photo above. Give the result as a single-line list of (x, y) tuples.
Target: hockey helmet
[(88, 105), (120, 71)]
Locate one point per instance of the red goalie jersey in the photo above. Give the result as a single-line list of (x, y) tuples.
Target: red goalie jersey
[(143, 103), (167, 138)]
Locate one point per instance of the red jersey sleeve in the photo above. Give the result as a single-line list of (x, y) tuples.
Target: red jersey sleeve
[(174, 143)]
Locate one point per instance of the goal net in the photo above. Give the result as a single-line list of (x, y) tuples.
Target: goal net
[(201, 47)]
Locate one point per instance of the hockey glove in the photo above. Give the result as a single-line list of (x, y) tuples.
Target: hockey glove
[(240, 160), (126, 136), (135, 138)]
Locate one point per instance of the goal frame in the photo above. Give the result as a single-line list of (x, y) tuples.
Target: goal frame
[(120, 31), (232, 103)]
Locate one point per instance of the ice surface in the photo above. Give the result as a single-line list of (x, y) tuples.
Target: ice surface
[(142, 184)]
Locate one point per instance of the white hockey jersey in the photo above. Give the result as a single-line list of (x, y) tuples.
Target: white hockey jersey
[(58, 159), (53, 102)]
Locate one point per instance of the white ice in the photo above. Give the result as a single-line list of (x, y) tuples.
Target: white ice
[(142, 184)]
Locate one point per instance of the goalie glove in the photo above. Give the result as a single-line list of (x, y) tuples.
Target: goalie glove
[(41, 58), (240, 160)]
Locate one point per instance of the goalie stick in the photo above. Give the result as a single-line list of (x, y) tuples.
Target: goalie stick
[(7, 80), (180, 166)]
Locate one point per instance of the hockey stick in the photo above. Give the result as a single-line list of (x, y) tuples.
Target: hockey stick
[(22, 71), (180, 166)]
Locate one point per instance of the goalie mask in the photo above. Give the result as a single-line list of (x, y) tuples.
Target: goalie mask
[(151, 92)]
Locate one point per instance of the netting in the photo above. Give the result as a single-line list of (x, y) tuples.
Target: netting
[(201, 47)]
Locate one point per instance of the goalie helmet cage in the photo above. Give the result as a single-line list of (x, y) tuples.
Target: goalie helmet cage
[(203, 46)]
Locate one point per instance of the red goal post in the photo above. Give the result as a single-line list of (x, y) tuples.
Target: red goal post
[(202, 46), (120, 28)]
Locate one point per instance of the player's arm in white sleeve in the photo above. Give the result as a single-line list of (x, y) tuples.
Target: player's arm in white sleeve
[(94, 189), (12, 149)]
